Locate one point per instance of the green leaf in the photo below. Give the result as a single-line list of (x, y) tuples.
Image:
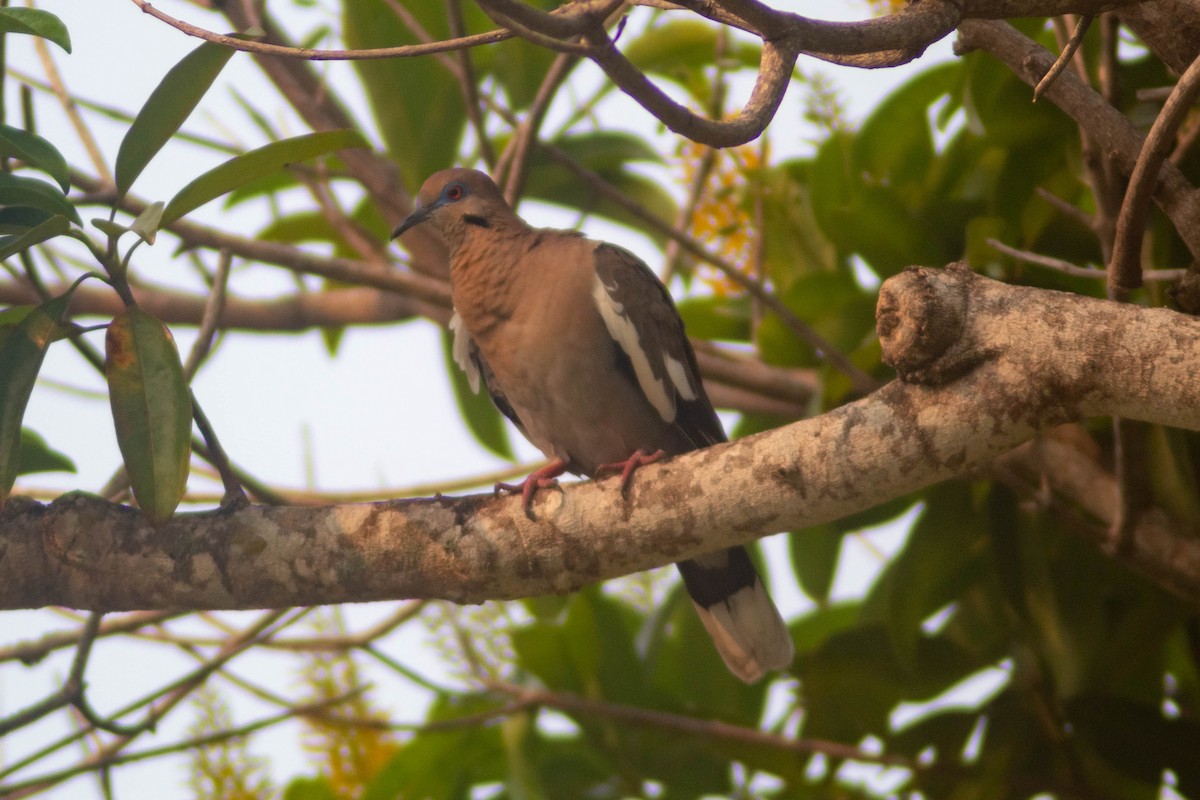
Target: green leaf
[(267, 186), (243, 169), (21, 358), (35, 152), (55, 226), (946, 552), (171, 102), (148, 222), (895, 144), (609, 155), (37, 456), (20, 219), (716, 317), (833, 304), (417, 102), (152, 410), (10, 318), (591, 651), (815, 553), (16, 190), (477, 409), (446, 762), (685, 657), (1137, 739), (307, 788), (35, 22), (110, 228)]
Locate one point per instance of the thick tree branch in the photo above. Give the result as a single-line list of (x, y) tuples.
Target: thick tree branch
[(1170, 28), (984, 366)]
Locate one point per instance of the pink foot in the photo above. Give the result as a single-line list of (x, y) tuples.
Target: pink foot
[(543, 478), (627, 467)]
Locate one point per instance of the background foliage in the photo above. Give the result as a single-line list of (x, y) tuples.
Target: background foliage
[(998, 653)]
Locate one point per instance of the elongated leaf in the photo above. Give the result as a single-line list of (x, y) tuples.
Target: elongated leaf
[(20, 360), (21, 219), (481, 416), (251, 166), (35, 22), (169, 105), (16, 190), (152, 410), (36, 152), (55, 226), (10, 318), (418, 105), (37, 456)]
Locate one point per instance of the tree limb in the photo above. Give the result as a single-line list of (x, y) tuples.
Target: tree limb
[(983, 367)]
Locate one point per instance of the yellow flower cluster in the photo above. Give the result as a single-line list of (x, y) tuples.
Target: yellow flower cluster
[(722, 218)]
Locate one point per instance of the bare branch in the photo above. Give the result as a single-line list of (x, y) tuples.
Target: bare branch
[(30, 653), (579, 706), (312, 54), (1067, 268), (1064, 57), (976, 384), (1125, 267), (774, 75), (736, 382)]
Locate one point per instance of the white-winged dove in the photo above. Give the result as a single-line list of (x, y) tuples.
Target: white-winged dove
[(580, 346)]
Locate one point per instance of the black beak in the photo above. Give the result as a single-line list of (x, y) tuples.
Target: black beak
[(415, 218)]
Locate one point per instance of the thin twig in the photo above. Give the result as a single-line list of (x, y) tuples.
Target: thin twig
[(1067, 268), (235, 495), (101, 760), (307, 644), (30, 653), (75, 686), (170, 696), (711, 729), (430, 290), (673, 251), (264, 48), (516, 155), (468, 84), (1067, 209), (69, 108), (1064, 57), (211, 318), (123, 116), (1124, 271)]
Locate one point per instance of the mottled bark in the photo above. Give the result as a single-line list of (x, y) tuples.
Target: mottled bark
[(984, 366)]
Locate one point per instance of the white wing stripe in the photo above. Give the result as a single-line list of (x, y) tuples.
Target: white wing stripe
[(678, 375), (622, 330), (461, 350)]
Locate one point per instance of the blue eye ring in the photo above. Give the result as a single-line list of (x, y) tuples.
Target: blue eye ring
[(454, 191)]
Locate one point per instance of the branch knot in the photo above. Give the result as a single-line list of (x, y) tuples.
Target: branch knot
[(921, 317)]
